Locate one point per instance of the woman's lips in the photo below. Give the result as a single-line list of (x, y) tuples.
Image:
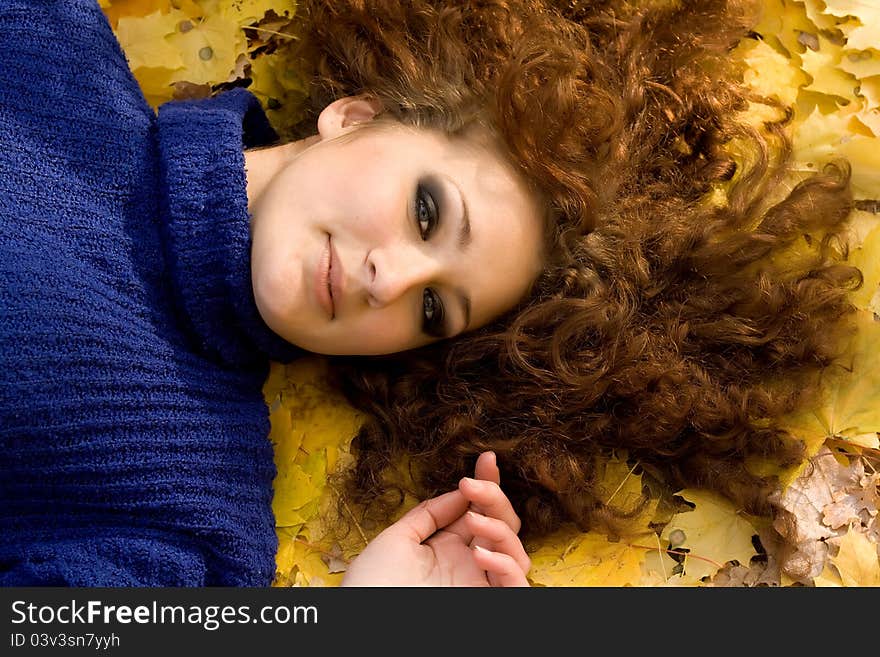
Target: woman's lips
[(322, 280), (329, 279), (336, 277)]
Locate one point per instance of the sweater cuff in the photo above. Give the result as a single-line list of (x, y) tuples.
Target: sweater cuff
[(207, 224)]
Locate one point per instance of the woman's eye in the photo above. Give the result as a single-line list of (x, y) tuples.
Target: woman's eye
[(433, 314), (426, 212)]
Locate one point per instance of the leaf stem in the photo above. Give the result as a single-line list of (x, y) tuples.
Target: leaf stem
[(351, 514), (263, 29), (628, 474)]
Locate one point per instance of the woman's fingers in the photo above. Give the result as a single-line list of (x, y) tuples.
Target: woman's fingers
[(496, 535), (487, 498), (487, 468), (483, 496), (436, 513), (502, 569)]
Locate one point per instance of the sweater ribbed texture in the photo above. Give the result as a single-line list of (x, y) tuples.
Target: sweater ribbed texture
[(134, 444)]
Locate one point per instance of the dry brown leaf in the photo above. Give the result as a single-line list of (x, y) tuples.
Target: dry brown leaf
[(335, 559), (807, 497), (833, 496), (759, 573), (855, 504), (801, 522)]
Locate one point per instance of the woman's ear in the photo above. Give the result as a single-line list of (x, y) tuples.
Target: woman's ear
[(345, 112)]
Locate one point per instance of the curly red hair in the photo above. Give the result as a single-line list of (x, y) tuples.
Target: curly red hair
[(690, 297)]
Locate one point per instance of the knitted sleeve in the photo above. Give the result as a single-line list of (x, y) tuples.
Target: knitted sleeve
[(126, 458), (58, 49), (114, 561)]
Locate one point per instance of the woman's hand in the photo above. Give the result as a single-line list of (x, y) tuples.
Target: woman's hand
[(466, 537)]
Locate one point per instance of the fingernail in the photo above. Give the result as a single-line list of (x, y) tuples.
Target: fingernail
[(482, 549), (473, 515)]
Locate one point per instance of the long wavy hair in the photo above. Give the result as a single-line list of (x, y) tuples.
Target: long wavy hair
[(691, 294)]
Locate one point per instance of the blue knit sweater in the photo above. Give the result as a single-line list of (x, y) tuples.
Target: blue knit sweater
[(134, 444)]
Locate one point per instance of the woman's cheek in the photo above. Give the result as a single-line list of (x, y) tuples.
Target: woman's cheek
[(276, 285), (390, 329)]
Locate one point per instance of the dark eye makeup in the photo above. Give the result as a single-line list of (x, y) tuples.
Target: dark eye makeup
[(427, 216), (427, 211), (432, 309)]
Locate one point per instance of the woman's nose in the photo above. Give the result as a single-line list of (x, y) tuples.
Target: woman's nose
[(396, 271)]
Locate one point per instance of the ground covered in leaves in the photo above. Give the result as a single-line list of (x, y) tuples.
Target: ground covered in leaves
[(821, 56)]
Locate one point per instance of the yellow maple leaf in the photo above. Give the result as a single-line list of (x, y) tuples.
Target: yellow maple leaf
[(862, 33), (245, 12), (861, 63), (192, 8), (573, 558), (820, 138), (823, 67), (324, 419), (870, 89), (857, 560), (815, 11), (145, 41), (116, 9), (852, 400), (870, 117), (285, 436), (153, 60), (860, 36), (785, 24), (208, 48), (828, 578), (659, 569), (311, 428), (866, 11), (867, 258), (850, 409), (769, 72), (713, 533), (265, 83), (303, 565), (294, 488), (285, 556)]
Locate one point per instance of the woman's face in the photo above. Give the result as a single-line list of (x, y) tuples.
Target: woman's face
[(424, 237)]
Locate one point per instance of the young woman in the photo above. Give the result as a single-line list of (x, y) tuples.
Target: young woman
[(522, 213)]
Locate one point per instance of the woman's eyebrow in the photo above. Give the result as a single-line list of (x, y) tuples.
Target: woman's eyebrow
[(464, 231), (465, 302), (464, 242), (464, 228)]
